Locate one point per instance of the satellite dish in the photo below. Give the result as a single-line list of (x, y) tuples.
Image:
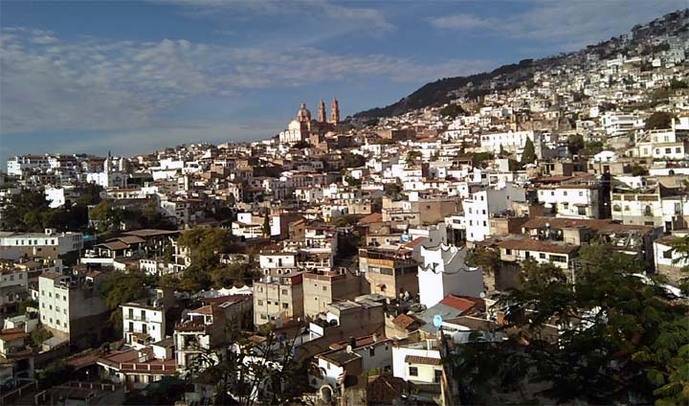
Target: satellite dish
[(437, 320)]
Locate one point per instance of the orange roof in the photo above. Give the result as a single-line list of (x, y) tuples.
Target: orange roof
[(405, 321), (463, 303), (12, 334), (371, 218), (414, 243)]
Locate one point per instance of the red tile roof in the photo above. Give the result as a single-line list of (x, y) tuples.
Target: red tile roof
[(12, 334), (371, 218), (537, 245), (462, 303)]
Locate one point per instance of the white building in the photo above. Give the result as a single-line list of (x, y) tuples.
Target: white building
[(248, 226), (142, 323), (511, 141), (616, 124), (573, 201), (444, 272), (48, 244), (482, 205), (418, 362)]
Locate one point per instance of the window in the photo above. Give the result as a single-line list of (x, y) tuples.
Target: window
[(508, 251), (541, 255), (413, 371), (438, 375), (372, 352), (285, 305), (667, 254), (260, 302), (131, 327), (284, 291), (558, 258), (325, 288)]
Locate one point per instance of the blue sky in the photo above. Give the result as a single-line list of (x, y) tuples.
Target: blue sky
[(133, 76)]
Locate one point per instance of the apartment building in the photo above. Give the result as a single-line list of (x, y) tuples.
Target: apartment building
[(480, 206), (278, 296), (143, 321), (389, 272), (322, 288), (655, 206), (71, 306), (571, 200)]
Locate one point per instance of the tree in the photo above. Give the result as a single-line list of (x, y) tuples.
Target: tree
[(592, 148), (260, 371), (392, 190), (620, 338), (452, 111), (676, 84), (639, 170), (680, 246), (486, 258), (121, 287), (29, 211), (658, 120), (413, 155), (266, 226), (575, 143), (350, 160), (529, 154), (205, 245)]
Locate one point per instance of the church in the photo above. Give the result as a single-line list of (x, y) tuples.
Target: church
[(304, 128)]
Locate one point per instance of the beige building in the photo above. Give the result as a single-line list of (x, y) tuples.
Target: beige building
[(389, 272), (278, 296), (325, 287), (72, 308)]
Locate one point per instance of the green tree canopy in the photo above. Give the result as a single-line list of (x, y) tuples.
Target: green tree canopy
[(575, 143), (452, 111), (205, 246), (659, 120), (529, 154), (620, 338)]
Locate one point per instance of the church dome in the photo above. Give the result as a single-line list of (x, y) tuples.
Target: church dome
[(303, 115)]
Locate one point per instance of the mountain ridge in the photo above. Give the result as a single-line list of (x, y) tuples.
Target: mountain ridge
[(442, 91)]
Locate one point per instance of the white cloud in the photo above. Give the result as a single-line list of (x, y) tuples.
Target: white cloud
[(98, 85), (572, 24), (462, 22), (362, 19)]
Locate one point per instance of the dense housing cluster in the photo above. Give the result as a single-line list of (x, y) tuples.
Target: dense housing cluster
[(344, 260)]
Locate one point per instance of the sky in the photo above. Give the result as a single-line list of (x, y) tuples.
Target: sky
[(133, 76)]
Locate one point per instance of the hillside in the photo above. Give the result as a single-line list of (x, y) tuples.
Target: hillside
[(509, 76)]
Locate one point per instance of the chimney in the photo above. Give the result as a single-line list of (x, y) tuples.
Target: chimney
[(374, 337), (352, 342)]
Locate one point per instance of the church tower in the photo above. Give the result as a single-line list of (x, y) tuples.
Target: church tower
[(321, 112), (335, 112)]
